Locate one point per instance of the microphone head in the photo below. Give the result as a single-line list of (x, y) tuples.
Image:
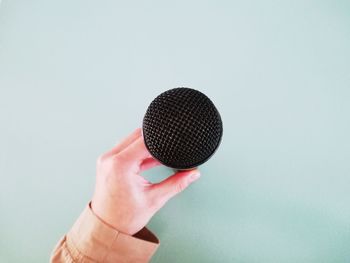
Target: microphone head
[(182, 128)]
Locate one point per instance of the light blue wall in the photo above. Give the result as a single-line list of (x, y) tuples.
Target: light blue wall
[(77, 76)]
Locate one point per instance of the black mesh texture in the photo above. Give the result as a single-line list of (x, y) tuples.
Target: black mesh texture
[(182, 128)]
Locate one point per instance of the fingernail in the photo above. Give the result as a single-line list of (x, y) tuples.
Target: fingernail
[(194, 176)]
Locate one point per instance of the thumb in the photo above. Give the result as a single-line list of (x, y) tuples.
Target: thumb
[(174, 184)]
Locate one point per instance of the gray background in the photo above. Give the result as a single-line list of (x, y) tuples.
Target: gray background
[(77, 76)]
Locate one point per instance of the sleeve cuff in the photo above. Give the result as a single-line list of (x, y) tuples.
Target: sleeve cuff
[(93, 240)]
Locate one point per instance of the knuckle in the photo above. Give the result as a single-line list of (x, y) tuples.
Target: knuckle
[(99, 160), (180, 186), (119, 159)]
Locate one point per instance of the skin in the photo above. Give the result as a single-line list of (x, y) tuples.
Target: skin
[(123, 198)]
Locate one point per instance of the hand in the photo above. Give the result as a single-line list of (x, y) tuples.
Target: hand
[(123, 198)]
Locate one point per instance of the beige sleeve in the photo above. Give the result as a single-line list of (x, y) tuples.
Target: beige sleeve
[(91, 240)]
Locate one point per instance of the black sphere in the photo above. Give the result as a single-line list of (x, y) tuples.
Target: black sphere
[(182, 128)]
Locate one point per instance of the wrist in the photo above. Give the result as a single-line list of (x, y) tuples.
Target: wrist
[(113, 218)]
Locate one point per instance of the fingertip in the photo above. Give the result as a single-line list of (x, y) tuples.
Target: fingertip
[(190, 172), (194, 176)]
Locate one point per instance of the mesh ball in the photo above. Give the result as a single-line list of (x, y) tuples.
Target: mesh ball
[(182, 128)]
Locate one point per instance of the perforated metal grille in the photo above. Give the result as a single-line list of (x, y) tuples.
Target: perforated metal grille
[(182, 128)]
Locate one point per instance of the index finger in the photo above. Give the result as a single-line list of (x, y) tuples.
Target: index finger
[(136, 152), (124, 143)]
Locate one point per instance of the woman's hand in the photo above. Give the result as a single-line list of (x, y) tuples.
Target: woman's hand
[(123, 198)]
